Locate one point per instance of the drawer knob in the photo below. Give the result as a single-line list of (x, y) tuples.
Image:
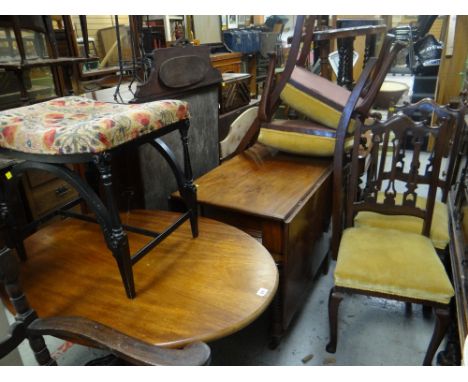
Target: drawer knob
[(62, 190)]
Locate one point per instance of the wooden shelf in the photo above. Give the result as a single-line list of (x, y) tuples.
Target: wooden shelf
[(18, 64)]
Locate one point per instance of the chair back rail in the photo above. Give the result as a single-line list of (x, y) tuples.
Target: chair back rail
[(345, 40), (339, 155)]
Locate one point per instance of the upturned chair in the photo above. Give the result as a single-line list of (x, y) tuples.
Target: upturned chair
[(28, 326), (320, 100), (386, 262), (330, 110)]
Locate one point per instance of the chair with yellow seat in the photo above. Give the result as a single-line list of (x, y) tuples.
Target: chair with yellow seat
[(329, 110), (385, 262), (439, 233), (320, 101)]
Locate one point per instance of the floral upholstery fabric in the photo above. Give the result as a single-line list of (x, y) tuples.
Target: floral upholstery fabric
[(76, 125)]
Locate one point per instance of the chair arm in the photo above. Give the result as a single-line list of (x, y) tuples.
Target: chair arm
[(121, 345)]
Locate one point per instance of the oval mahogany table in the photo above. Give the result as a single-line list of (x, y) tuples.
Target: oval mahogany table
[(187, 289)]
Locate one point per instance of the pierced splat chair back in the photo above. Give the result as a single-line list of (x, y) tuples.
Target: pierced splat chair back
[(430, 113), (455, 115), (397, 168)]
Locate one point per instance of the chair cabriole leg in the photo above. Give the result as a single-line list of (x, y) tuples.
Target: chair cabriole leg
[(333, 304), (442, 321)]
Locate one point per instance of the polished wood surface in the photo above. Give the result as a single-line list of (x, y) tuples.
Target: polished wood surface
[(227, 62), (187, 289), (271, 186)]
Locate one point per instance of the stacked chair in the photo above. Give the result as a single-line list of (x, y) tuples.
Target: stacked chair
[(388, 243), (330, 111)]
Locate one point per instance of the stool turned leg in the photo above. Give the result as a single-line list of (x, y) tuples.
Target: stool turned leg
[(185, 185), (190, 191), (333, 304), (117, 239), (442, 322), (9, 276)]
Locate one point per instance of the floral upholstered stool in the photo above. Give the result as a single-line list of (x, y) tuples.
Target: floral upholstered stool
[(47, 136)]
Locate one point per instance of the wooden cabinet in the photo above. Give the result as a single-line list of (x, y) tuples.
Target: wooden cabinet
[(227, 62), (44, 192)]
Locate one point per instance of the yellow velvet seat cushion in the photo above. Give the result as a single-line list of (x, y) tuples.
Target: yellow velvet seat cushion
[(439, 228), (300, 137), (316, 97), (392, 262)]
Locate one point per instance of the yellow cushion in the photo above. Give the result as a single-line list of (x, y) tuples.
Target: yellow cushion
[(299, 143), (392, 262), (439, 228), (312, 107)]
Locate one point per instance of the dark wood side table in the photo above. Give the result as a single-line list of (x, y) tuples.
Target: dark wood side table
[(284, 201)]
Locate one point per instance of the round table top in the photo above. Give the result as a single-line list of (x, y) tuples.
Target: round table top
[(187, 289)]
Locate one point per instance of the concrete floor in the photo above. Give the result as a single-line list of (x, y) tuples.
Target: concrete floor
[(371, 332)]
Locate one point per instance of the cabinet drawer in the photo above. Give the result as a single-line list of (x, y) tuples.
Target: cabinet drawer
[(36, 178), (50, 195)]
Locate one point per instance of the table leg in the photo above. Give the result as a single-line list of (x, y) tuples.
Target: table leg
[(184, 178), (277, 330), (190, 191)]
